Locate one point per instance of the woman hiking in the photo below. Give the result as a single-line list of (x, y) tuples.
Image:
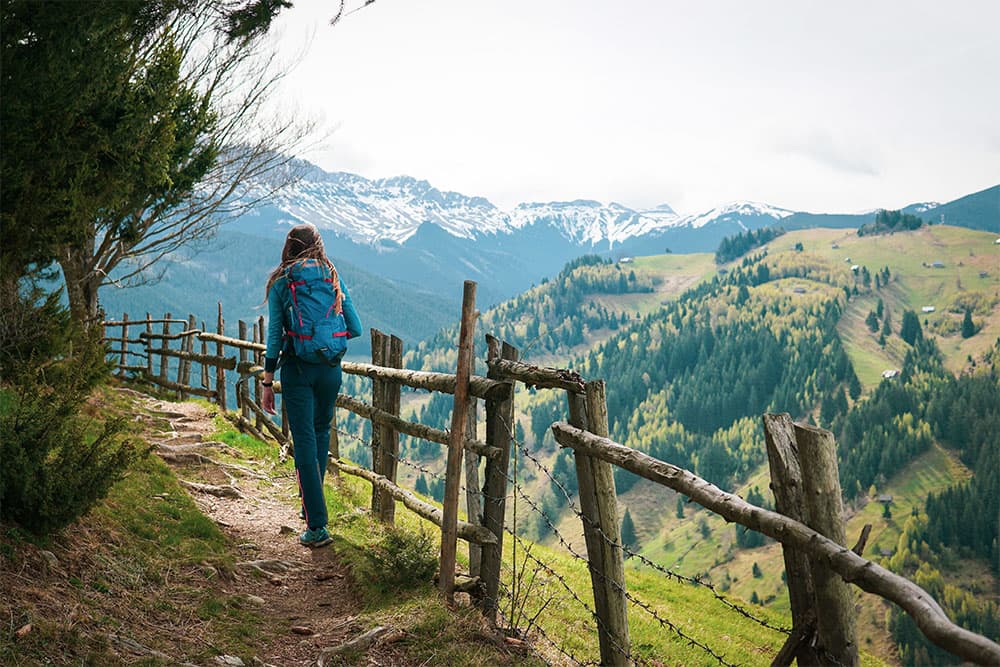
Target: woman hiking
[(310, 318)]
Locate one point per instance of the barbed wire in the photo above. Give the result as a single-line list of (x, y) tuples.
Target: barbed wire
[(569, 589), (663, 622), (697, 581), (631, 598), (532, 623)]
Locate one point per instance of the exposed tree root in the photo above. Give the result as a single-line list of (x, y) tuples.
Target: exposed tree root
[(221, 491)]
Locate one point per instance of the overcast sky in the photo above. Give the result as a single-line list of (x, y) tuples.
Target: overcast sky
[(818, 106)]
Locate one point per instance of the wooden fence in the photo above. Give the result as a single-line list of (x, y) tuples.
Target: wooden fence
[(807, 522)]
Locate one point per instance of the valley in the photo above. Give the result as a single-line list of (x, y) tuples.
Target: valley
[(808, 268)]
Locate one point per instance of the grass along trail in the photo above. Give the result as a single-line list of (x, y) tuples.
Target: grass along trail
[(306, 596)]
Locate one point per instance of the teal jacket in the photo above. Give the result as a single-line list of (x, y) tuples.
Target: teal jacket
[(279, 308)]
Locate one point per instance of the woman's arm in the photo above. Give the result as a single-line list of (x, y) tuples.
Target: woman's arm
[(350, 314), (275, 338), (275, 330)]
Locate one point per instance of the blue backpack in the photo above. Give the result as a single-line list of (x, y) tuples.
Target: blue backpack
[(318, 335)]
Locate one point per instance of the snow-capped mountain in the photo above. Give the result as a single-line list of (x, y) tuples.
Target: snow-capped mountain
[(406, 230), (589, 223), (743, 214), (367, 211), (394, 209)]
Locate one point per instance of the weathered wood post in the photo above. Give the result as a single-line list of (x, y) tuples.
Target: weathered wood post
[(806, 485), (332, 468), (123, 350), (259, 336), (449, 520), (204, 367), (473, 498), (824, 511), (148, 345), (380, 352), (163, 346), (389, 440), (184, 364), (499, 429), (241, 390), (220, 372), (786, 484), (601, 528)]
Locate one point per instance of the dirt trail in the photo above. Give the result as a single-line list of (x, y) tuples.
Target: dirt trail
[(305, 595)]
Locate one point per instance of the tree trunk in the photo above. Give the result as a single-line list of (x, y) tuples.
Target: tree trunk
[(82, 282)]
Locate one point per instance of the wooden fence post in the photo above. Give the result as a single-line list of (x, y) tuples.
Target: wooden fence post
[(241, 389), (449, 520), (149, 348), (204, 367), (824, 512), (601, 528), (163, 346), (473, 497), (786, 484), (499, 429), (123, 358), (389, 442), (184, 365), (380, 351), (220, 373), (259, 337), (334, 448)]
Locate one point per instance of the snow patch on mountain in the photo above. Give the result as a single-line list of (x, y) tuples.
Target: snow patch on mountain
[(589, 223), (737, 212), (377, 211), (390, 208)]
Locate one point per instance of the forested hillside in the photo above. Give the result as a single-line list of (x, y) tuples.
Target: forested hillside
[(783, 329)]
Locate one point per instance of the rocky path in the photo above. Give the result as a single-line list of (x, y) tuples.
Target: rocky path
[(305, 595)]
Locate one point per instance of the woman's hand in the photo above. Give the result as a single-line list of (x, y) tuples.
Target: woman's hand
[(267, 401)]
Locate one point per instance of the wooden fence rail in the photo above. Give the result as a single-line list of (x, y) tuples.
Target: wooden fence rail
[(816, 559), (851, 567)]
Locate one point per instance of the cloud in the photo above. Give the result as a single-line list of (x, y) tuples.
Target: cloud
[(835, 153)]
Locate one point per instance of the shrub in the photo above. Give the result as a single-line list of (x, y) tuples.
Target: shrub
[(55, 463), (402, 559)]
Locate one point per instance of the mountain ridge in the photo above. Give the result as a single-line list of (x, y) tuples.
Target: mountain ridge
[(372, 211)]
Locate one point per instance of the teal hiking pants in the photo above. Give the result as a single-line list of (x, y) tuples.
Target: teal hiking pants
[(310, 393)]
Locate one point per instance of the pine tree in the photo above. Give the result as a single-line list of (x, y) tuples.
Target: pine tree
[(680, 507), (910, 330), (968, 328), (421, 485), (629, 538)]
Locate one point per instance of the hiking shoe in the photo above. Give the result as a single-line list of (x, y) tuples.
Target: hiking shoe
[(317, 537), (302, 514)]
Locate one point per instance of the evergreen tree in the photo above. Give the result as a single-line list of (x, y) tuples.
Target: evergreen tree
[(968, 328), (629, 538), (421, 485), (872, 321), (680, 507), (910, 330)]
